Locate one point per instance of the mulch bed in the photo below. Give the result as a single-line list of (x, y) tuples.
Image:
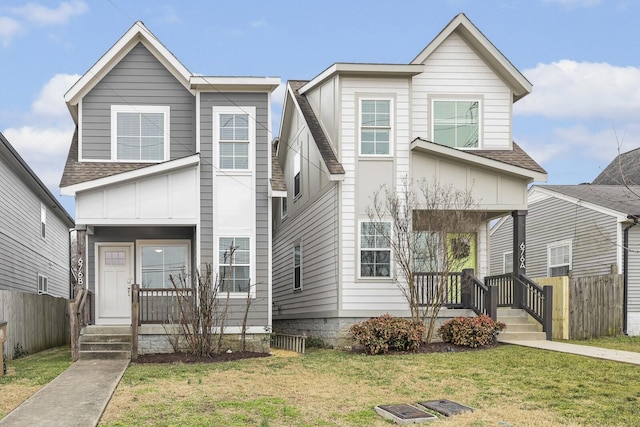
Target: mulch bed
[(436, 347)]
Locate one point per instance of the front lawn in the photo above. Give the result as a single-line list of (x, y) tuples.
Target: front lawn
[(614, 343), (508, 385)]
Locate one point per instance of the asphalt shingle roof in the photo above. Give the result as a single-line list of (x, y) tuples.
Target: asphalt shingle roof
[(623, 170), (277, 177), (621, 198)]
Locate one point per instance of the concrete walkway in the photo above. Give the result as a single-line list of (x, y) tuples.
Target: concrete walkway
[(582, 350), (77, 397)]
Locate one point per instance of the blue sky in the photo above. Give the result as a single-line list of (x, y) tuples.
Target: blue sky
[(581, 56)]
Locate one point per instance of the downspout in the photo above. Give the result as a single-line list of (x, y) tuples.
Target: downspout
[(625, 262)]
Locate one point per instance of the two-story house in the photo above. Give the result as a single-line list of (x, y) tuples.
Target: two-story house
[(34, 230), (444, 117), (170, 170)]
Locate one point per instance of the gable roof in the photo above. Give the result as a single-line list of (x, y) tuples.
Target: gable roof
[(319, 136), (30, 179), (622, 199), (623, 170), (462, 26), (138, 33), (515, 160), (277, 177)]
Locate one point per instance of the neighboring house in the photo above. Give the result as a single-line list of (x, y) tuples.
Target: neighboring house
[(170, 169), (34, 230), (583, 230), (446, 116)]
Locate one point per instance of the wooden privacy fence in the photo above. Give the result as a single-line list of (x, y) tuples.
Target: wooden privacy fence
[(35, 322), (586, 307)]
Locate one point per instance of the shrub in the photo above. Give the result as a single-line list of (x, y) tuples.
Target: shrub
[(471, 331), (381, 334)]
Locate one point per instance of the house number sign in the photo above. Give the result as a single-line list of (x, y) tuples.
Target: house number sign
[(80, 273), (522, 257)]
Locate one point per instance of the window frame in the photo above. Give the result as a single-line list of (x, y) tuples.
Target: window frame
[(140, 244), (141, 109), (507, 256), (284, 207), (297, 267), (43, 221), (250, 112), (465, 98), (297, 168), (44, 281), (390, 127), (556, 245), (251, 265), (374, 249)]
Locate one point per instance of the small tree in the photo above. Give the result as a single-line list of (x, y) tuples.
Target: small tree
[(430, 228)]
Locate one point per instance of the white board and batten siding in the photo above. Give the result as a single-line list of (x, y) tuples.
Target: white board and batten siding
[(323, 101), (364, 175), (169, 198), (455, 69)]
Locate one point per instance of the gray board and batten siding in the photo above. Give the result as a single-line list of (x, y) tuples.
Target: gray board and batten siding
[(138, 79), (259, 100), (593, 235), (316, 229)]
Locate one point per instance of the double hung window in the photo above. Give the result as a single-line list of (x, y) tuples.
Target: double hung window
[(375, 251), (375, 126), (140, 133), (234, 141), (234, 261), (559, 258)]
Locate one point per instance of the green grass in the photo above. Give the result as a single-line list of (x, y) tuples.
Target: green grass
[(37, 369), (508, 384), (614, 343)]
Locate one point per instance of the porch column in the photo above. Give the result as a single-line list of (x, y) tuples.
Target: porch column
[(519, 252)]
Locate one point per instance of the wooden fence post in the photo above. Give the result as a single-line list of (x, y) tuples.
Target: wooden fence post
[(135, 313)]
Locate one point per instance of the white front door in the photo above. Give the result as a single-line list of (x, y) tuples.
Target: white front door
[(115, 275)]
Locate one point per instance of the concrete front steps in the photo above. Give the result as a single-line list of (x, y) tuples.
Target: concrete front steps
[(519, 326), (105, 342)]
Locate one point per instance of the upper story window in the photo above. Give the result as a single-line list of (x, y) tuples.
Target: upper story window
[(234, 130), (375, 251), (139, 133), (43, 221), (456, 123), (559, 258), (375, 127), (296, 174)]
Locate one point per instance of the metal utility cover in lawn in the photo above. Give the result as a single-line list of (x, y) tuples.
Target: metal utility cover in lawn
[(404, 414), (445, 407)]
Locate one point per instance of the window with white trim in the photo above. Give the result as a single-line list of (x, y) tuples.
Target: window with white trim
[(283, 207), (375, 127), (507, 262), (43, 221), (234, 142), (297, 267), (43, 284), (559, 258), (456, 123), (161, 259), (234, 263), (139, 133), (375, 251)]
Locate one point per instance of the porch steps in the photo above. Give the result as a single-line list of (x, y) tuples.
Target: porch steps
[(519, 327), (105, 342)]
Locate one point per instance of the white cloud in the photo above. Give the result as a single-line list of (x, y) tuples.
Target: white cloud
[(43, 15), (43, 141), (9, 28), (569, 89)]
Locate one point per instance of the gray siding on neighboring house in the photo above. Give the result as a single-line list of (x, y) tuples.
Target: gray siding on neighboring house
[(593, 235), (501, 242), (634, 270), (316, 228), (138, 79), (259, 309), (23, 252)]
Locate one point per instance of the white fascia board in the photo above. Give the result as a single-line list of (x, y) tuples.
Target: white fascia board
[(171, 165), (243, 84), (96, 222), (458, 155), (336, 177), (137, 33), (368, 70), (279, 193), (620, 216), (468, 31)]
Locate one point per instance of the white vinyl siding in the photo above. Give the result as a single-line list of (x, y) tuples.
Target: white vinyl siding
[(375, 127), (139, 133)]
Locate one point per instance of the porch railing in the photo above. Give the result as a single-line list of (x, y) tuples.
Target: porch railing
[(479, 297), (535, 300), (160, 305), (504, 284), (446, 286)]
